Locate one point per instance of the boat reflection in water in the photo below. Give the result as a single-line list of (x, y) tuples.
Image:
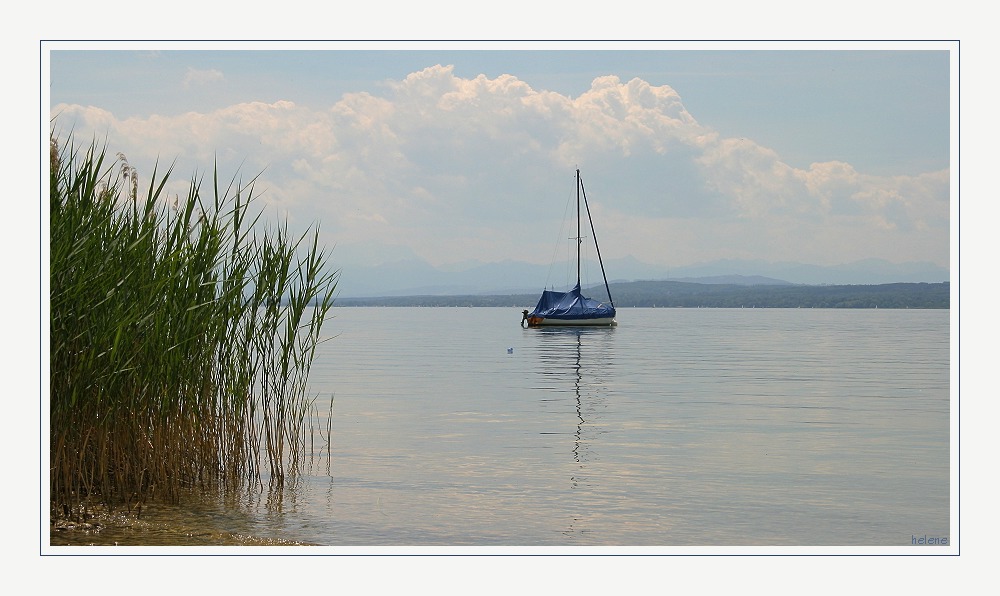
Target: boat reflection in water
[(575, 366)]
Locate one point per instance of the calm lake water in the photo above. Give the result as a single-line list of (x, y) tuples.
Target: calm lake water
[(680, 427)]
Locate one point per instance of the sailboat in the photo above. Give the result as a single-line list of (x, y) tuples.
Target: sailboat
[(572, 308)]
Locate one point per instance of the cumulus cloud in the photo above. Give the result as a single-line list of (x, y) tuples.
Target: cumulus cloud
[(459, 167)]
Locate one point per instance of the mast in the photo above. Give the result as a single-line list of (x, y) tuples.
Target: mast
[(579, 238)]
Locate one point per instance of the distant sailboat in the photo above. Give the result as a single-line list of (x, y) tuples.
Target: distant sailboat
[(572, 308)]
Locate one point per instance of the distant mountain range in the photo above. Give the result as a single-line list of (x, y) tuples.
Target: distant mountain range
[(415, 277)]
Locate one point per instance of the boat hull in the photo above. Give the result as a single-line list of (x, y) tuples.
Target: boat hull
[(551, 322)]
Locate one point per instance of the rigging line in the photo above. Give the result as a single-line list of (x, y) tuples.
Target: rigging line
[(596, 246), (558, 244)]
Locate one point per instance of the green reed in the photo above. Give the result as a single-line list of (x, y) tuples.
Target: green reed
[(181, 335)]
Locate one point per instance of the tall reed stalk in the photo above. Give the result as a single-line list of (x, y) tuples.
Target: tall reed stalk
[(181, 335)]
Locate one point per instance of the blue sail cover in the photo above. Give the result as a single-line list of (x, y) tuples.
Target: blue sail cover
[(571, 306)]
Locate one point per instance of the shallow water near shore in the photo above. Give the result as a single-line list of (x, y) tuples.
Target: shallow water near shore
[(678, 428)]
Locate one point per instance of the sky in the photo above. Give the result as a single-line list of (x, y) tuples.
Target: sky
[(457, 153)]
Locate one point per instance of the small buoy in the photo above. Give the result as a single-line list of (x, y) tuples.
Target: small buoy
[(510, 350)]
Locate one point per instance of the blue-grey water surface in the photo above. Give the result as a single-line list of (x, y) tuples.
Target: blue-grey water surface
[(680, 427)]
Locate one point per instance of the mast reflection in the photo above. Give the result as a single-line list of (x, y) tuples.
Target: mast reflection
[(577, 361)]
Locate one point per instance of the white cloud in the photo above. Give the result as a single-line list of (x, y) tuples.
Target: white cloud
[(479, 168), (195, 77)]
